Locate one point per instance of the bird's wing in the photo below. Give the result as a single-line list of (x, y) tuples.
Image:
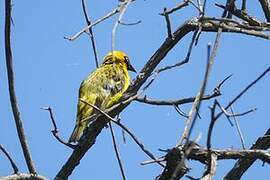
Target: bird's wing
[(102, 88), (116, 86)]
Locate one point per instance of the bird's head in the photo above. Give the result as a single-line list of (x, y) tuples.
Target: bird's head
[(118, 57)]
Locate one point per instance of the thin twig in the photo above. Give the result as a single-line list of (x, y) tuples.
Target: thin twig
[(55, 129), (242, 15), (117, 152), (168, 23), (130, 24), (12, 162), (199, 4), (175, 102), (209, 136), (241, 166), (125, 129), (245, 90), (209, 66), (196, 6), (87, 19), (238, 129), (177, 7), (204, 7), (228, 115), (186, 60), (12, 94), (180, 112), (122, 8), (153, 161), (74, 37), (196, 105)]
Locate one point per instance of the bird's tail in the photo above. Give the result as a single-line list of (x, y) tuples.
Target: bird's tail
[(77, 132)]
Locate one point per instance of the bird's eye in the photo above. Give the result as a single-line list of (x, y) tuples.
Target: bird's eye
[(126, 58)]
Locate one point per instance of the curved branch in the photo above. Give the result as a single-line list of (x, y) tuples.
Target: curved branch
[(266, 8), (12, 162), (12, 94)]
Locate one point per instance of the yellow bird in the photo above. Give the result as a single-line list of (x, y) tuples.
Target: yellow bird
[(102, 88)]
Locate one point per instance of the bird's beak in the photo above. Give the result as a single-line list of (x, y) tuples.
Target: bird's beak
[(130, 67)]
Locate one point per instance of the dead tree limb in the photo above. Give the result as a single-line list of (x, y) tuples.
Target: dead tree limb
[(12, 94)]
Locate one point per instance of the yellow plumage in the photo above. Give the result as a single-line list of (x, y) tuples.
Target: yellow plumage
[(102, 88)]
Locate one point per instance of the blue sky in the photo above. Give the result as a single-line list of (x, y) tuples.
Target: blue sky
[(49, 69)]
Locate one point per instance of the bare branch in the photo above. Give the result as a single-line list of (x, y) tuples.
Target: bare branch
[(74, 37), (180, 112), (87, 19), (168, 23), (175, 165), (12, 162), (12, 94), (196, 105), (23, 176), (122, 9), (117, 152), (177, 7), (125, 129), (244, 5), (55, 130), (238, 129), (186, 60), (130, 24), (242, 15), (244, 91), (244, 163), (175, 102), (138, 142), (201, 155), (209, 174), (266, 8)]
